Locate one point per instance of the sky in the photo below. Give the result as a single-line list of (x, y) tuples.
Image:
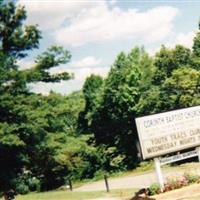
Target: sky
[(96, 31)]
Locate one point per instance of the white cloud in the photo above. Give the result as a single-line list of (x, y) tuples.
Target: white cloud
[(152, 51), (52, 14), (75, 23), (83, 68), (25, 64), (80, 22), (102, 23), (186, 39), (112, 2), (85, 63), (89, 61), (82, 73)]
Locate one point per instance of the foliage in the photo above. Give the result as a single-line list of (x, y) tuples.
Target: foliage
[(145, 166), (139, 85), (37, 133), (91, 89), (53, 150), (154, 189), (113, 116), (175, 183), (34, 184), (25, 182), (22, 188), (191, 177), (196, 46)]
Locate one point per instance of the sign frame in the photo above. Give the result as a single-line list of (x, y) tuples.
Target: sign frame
[(183, 111)]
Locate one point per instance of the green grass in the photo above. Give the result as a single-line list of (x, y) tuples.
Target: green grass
[(67, 195)]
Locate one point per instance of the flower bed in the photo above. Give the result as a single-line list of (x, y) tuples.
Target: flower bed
[(175, 182)]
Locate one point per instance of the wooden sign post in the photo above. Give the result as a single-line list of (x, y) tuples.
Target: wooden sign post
[(106, 183)]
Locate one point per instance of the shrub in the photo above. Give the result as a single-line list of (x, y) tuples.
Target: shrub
[(175, 183), (22, 188), (145, 166), (191, 177), (154, 189), (34, 184), (25, 182), (99, 174)]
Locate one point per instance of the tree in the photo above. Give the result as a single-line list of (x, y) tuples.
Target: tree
[(167, 60), (175, 82), (16, 131), (196, 51), (53, 150), (140, 85), (113, 118), (196, 45), (183, 87), (91, 90)]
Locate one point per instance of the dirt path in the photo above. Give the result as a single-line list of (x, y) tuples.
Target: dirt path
[(136, 181)]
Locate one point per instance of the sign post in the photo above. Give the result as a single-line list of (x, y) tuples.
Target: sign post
[(159, 173), (106, 182)]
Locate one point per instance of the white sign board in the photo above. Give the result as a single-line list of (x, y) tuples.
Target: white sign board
[(169, 132)]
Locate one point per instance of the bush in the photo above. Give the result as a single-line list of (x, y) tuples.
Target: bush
[(191, 177), (99, 174), (34, 184), (145, 166), (25, 182), (175, 183), (22, 189), (154, 189)]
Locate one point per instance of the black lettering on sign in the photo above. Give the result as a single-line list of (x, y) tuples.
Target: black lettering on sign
[(161, 147), (154, 122), (195, 132), (187, 140), (174, 117), (178, 135), (156, 141)]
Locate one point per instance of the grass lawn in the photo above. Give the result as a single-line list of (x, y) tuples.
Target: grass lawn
[(67, 195)]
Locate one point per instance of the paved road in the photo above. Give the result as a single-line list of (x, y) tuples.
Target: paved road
[(133, 181)]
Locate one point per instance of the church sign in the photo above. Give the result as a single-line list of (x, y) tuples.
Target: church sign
[(168, 132)]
